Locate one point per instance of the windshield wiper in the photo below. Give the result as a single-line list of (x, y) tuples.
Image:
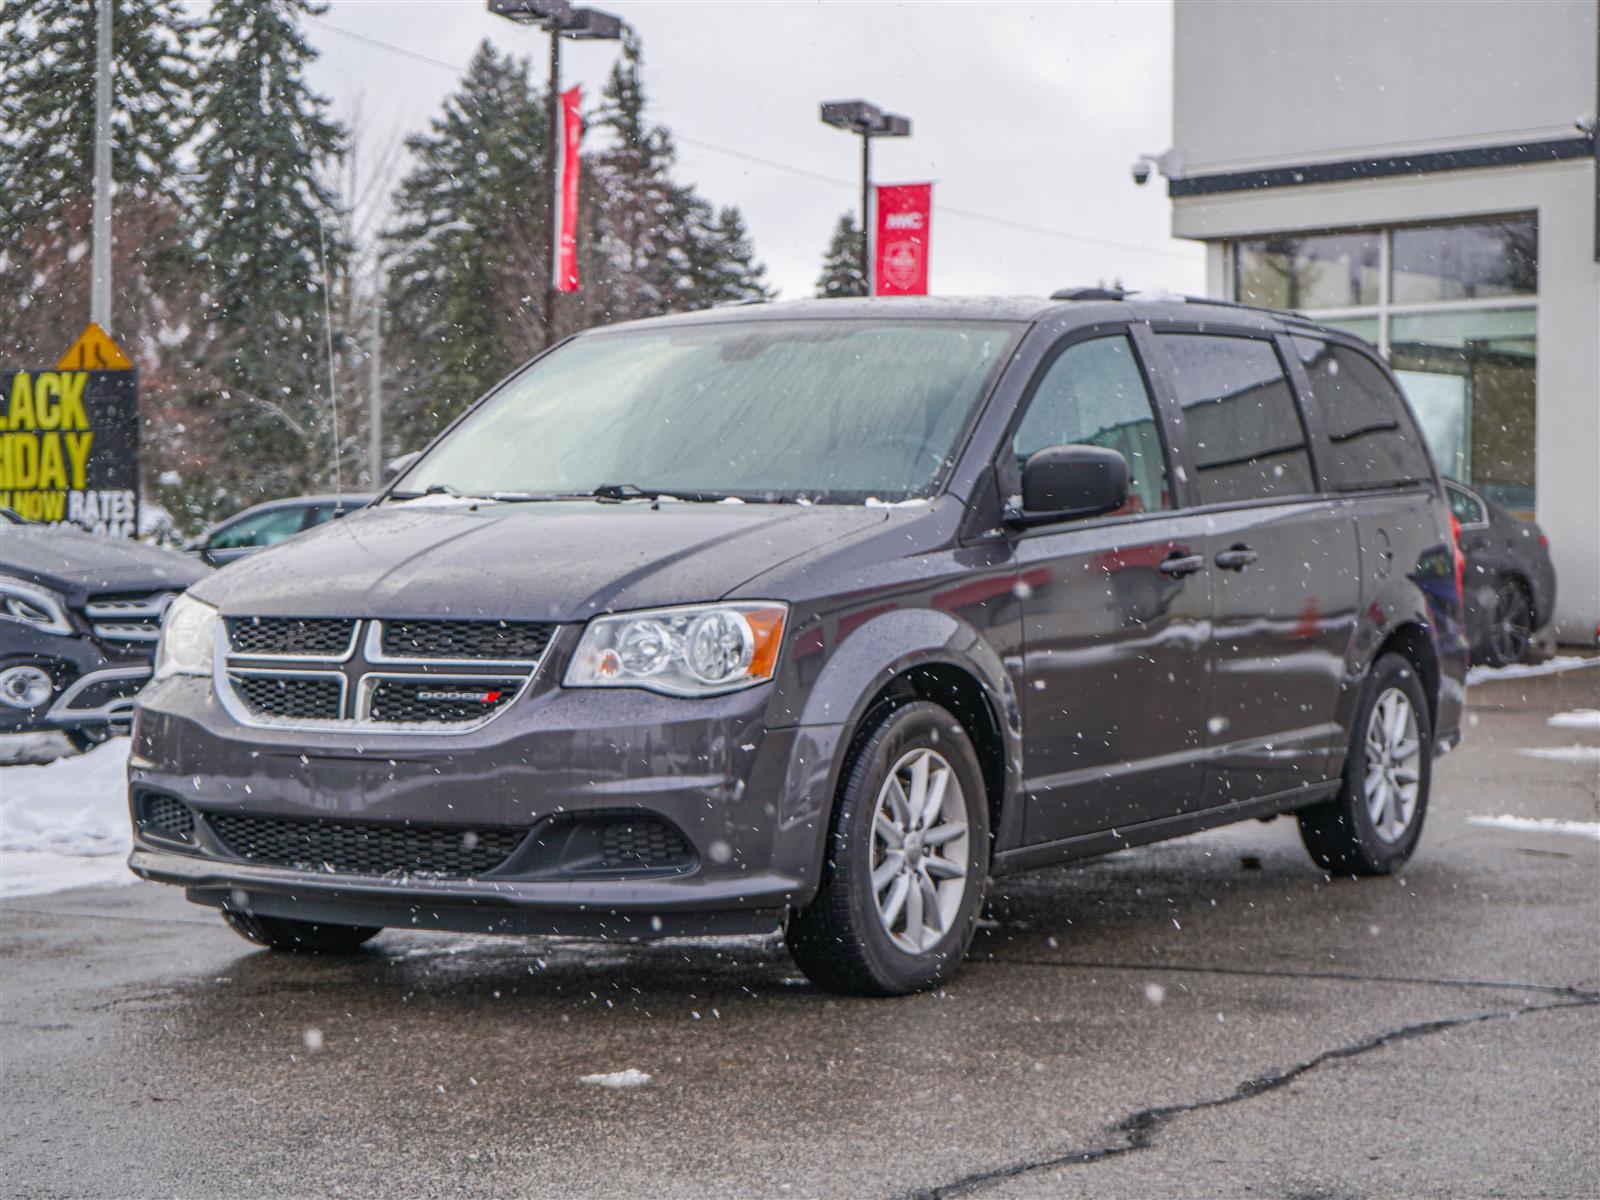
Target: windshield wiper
[(632, 491)]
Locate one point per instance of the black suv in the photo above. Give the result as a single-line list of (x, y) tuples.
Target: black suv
[(819, 615), (79, 619)]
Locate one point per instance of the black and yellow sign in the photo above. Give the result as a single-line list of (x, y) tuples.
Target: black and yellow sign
[(94, 351), (69, 447)]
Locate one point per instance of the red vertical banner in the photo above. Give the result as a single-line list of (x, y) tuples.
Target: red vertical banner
[(900, 250), (564, 259)]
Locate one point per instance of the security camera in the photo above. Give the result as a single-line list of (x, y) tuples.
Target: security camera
[(1141, 172)]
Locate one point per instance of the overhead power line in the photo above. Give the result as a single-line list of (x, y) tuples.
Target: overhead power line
[(777, 165)]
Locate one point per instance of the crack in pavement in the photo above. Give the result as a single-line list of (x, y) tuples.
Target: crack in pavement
[(1137, 1131), (1556, 989)]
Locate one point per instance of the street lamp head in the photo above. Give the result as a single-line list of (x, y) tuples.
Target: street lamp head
[(592, 25), (560, 18), (533, 12), (858, 116)]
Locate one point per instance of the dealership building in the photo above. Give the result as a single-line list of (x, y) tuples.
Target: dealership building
[(1423, 175)]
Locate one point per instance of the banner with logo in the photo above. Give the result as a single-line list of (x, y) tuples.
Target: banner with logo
[(565, 264), (69, 448), (905, 218)]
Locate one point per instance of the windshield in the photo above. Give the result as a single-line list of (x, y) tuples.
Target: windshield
[(767, 410)]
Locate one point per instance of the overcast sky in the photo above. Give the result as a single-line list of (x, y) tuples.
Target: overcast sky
[(1023, 115)]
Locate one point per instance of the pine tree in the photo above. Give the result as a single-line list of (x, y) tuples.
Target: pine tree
[(47, 63), (722, 267), (262, 207), (842, 269), (466, 282)]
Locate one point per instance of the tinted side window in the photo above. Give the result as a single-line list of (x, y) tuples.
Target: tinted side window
[(1240, 417), (1094, 394), (1466, 507), (263, 529), (1372, 439)]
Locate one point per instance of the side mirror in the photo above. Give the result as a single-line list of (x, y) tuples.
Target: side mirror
[(400, 463), (1060, 483)]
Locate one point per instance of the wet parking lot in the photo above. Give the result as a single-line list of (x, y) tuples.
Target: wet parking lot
[(1210, 1017)]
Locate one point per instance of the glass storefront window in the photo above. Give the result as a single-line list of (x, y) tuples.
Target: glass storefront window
[(1469, 373), (1334, 270), (1467, 261), (1365, 328)]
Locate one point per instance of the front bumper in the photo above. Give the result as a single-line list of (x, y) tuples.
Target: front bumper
[(93, 688), (750, 801)]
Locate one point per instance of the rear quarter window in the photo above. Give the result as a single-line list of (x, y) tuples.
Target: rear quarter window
[(1372, 440)]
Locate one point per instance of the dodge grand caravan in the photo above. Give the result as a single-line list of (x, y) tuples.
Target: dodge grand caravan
[(817, 616)]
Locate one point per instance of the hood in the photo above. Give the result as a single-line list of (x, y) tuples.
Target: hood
[(81, 564), (546, 561)]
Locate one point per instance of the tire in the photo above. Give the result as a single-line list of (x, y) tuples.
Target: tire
[(859, 939), (1510, 632), (299, 937), (86, 739), (1384, 774)]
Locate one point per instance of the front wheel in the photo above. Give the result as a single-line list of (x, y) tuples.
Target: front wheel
[(907, 861), (1372, 825), (303, 937)]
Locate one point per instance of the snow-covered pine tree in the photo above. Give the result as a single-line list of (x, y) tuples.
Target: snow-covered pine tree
[(466, 276), (264, 146), (721, 259), (842, 269), (47, 62)]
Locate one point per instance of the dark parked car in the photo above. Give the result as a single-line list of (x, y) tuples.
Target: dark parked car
[(264, 525), (1510, 580), (79, 619), (817, 615)]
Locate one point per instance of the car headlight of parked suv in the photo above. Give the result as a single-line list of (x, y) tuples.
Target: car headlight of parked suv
[(699, 650), (34, 606), (188, 639)]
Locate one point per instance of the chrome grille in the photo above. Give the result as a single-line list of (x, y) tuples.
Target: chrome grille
[(345, 673), (504, 641), (128, 621), (291, 637), (365, 848)]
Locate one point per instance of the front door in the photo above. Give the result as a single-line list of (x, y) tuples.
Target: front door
[(1115, 613)]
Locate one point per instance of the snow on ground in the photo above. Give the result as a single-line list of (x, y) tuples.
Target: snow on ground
[(632, 1077), (64, 824), (1574, 754), (1587, 829), (33, 748), (1561, 662), (1578, 718)]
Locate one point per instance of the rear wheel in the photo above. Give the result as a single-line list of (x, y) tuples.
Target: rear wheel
[(1372, 826), (303, 937), (1511, 625), (907, 861)]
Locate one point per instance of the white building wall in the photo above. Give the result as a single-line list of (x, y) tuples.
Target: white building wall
[(1261, 83)]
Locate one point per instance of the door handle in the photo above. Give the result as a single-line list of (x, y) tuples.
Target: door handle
[(1176, 564), (1236, 558)]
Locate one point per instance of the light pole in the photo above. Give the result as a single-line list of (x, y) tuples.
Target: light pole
[(559, 19), (869, 121), (100, 256)]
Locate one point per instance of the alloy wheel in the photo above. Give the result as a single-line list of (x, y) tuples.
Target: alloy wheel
[(1392, 782), (919, 850), (1512, 623)]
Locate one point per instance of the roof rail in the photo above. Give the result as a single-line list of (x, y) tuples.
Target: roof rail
[(1088, 293), (1277, 312)]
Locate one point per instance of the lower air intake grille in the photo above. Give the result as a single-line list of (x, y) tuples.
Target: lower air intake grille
[(423, 700), (294, 637), (294, 698), (366, 848), (522, 641), (166, 816), (642, 842)]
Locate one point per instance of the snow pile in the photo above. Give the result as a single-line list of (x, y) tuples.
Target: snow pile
[(64, 824), (1578, 718), (1587, 829), (630, 1078), (1561, 662), (1575, 754)]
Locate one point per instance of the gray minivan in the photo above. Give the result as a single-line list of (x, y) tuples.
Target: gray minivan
[(818, 615)]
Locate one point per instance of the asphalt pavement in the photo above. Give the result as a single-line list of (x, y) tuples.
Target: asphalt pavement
[(1209, 1017)]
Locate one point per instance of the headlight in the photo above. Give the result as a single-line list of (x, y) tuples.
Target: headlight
[(188, 639), (34, 606), (703, 650)]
